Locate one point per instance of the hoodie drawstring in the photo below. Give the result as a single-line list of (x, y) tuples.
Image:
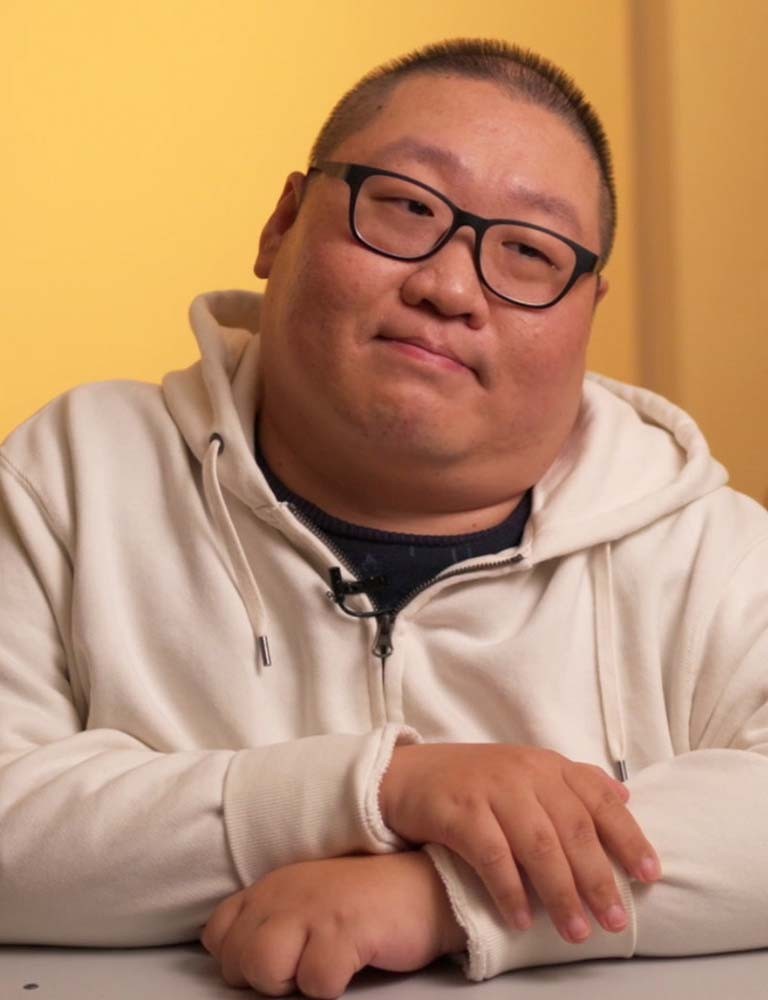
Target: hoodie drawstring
[(607, 667), (246, 584), (605, 616)]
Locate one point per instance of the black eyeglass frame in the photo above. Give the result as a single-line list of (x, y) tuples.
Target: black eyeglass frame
[(355, 173)]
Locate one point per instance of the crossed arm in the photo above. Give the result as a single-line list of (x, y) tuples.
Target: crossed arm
[(115, 836), (527, 820)]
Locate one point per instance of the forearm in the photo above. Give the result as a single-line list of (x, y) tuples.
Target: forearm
[(106, 842), (707, 815), (494, 947), (708, 812)]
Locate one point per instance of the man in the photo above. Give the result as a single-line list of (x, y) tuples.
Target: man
[(334, 649)]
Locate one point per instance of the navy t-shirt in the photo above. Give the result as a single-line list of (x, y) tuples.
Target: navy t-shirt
[(405, 560)]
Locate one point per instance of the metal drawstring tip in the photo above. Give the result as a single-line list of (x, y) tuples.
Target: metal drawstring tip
[(266, 659), (621, 767)]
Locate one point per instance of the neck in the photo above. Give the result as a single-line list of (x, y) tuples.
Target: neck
[(405, 500)]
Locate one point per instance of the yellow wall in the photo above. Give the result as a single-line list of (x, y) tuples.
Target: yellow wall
[(145, 142), (143, 146), (722, 182), (702, 212)]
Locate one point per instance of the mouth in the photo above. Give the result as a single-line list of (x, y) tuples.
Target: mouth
[(427, 353)]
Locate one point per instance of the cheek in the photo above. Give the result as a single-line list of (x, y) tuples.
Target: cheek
[(336, 297), (326, 299), (541, 366), (546, 350)]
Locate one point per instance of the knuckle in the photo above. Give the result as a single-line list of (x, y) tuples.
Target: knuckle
[(233, 974), (451, 830), (492, 854), (543, 846), (582, 833), (215, 931), (467, 800), (602, 890), (561, 900), (608, 800), (589, 770), (607, 808), (257, 970), (549, 760), (510, 897), (455, 825), (537, 760), (326, 976), (318, 987), (265, 967)]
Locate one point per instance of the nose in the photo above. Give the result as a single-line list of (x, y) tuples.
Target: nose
[(448, 283)]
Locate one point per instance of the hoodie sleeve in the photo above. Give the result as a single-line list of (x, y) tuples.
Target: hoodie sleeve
[(704, 810), (106, 841)]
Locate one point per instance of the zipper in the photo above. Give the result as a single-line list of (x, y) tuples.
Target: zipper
[(447, 576), (323, 538), (382, 646), (385, 620)]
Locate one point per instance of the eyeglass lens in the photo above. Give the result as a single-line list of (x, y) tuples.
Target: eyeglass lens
[(405, 220)]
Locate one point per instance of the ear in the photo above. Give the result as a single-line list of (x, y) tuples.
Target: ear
[(602, 289), (279, 223)]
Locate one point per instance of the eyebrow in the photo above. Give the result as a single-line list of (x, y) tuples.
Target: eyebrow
[(423, 152)]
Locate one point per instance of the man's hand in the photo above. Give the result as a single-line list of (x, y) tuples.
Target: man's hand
[(510, 808), (313, 925)]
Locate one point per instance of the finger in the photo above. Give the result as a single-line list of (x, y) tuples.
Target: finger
[(620, 788), (475, 834), (537, 849), (590, 865), (616, 827), (264, 955), (221, 920), (607, 779), (327, 964)]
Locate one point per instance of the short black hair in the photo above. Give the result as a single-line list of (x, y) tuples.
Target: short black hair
[(525, 74)]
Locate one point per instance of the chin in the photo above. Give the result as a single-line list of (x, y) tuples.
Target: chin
[(414, 435)]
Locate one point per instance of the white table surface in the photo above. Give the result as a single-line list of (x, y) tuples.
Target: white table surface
[(188, 972)]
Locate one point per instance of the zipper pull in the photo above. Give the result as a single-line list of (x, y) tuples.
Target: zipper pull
[(382, 644)]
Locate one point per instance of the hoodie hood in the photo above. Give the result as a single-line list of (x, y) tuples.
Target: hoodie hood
[(599, 489)]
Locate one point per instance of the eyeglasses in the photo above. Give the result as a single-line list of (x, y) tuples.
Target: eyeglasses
[(398, 217)]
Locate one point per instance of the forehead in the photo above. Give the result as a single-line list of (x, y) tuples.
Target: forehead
[(501, 154)]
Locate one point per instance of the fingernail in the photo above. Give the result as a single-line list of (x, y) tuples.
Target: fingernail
[(649, 869), (616, 917), (523, 920), (577, 929)]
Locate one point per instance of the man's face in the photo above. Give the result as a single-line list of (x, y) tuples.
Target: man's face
[(336, 315)]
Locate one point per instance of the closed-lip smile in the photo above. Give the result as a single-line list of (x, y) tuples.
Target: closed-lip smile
[(432, 346)]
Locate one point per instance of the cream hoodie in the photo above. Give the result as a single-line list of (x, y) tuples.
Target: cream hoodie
[(151, 763)]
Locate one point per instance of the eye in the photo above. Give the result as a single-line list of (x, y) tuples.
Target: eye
[(411, 206), (526, 250), (418, 207)]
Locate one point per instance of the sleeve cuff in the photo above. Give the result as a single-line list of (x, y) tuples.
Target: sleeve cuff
[(493, 947), (312, 798)]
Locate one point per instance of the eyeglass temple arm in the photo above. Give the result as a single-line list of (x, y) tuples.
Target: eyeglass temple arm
[(330, 167)]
